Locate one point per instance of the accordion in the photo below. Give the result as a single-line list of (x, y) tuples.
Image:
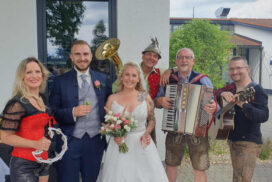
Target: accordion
[(186, 114)]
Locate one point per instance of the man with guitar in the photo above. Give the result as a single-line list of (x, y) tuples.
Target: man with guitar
[(246, 139)]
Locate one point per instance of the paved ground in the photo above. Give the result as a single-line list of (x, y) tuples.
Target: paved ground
[(267, 126), (223, 173)]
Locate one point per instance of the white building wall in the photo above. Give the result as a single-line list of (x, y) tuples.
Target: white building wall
[(137, 22), (266, 38), (18, 35), (254, 57)]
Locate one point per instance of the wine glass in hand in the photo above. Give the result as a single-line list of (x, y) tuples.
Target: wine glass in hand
[(87, 102)]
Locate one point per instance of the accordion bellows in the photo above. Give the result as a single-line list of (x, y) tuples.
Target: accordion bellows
[(187, 115)]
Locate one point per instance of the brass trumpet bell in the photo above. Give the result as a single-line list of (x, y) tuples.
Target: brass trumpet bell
[(108, 50)]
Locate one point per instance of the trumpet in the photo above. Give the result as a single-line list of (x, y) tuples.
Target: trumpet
[(108, 50)]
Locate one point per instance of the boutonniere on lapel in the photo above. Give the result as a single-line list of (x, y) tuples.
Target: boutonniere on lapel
[(97, 84)]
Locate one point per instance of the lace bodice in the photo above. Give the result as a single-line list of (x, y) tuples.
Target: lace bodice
[(139, 112), (15, 110)]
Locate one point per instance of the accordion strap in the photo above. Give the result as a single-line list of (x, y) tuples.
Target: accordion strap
[(195, 79), (198, 77), (214, 114), (175, 77)]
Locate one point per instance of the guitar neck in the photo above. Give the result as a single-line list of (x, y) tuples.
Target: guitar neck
[(246, 95), (228, 107)]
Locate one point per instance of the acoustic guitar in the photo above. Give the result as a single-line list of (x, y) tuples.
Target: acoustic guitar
[(224, 123)]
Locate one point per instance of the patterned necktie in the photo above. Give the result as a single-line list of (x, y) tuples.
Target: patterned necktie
[(85, 85)]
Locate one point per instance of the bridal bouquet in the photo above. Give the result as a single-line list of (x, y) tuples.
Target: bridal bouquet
[(117, 125)]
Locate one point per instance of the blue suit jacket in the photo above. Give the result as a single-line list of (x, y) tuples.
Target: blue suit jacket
[(64, 96)]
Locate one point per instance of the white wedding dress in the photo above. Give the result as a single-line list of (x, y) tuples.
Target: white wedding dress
[(138, 164)]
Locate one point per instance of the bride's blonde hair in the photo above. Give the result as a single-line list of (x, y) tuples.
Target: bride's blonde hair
[(120, 85)]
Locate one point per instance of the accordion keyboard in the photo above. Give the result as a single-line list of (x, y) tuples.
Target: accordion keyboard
[(170, 114)]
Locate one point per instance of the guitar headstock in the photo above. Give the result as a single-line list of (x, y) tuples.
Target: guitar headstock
[(246, 95)]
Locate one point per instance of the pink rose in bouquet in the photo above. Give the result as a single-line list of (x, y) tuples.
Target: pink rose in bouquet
[(116, 125)]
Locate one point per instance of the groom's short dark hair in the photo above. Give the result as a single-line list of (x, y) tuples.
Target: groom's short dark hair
[(80, 42)]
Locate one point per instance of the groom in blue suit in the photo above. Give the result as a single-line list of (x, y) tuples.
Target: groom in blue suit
[(78, 98)]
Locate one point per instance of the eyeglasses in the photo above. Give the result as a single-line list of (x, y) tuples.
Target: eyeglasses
[(237, 68), (184, 57)]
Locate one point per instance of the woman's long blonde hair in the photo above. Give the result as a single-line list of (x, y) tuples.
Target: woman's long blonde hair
[(120, 85), (20, 88)]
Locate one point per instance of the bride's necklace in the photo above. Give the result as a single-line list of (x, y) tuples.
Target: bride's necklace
[(129, 93)]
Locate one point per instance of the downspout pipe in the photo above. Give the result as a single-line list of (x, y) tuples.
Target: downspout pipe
[(261, 66)]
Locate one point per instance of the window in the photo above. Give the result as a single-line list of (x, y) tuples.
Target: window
[(229, 28), (60, 22), (243, 52), (177, 27)]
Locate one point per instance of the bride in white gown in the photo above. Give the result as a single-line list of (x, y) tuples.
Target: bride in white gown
[(142, 162)]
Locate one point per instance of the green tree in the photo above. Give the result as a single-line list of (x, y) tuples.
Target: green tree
[(63, 19), (99, 29), (101, 65), (99, 33), (211, 47)]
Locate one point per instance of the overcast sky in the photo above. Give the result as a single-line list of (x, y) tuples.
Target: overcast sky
[(95, 12), (207, 8)]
